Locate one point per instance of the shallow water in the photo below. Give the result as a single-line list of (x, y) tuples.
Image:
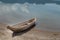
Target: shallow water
[(48, 15)]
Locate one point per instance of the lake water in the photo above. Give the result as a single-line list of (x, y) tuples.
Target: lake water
[(48, 15)]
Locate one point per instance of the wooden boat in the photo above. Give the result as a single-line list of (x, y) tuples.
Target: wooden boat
[(22, 26)]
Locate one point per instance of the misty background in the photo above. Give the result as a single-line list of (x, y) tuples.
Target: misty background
[(47, 13)]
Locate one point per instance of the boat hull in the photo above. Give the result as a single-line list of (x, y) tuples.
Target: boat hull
[(22, 26)]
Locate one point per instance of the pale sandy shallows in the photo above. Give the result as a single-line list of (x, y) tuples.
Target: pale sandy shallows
[(33, 34)]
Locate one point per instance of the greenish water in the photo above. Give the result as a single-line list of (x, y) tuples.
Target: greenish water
[(48, 14)]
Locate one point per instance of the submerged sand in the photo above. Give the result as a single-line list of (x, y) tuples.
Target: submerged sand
[(33, 34)]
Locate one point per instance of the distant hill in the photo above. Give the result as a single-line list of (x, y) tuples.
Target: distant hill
[(32, 1)]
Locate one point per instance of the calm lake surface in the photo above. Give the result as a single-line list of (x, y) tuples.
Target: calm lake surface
[(48, 15)]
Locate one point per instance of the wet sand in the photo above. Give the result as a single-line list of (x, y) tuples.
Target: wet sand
[(32, 34)]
